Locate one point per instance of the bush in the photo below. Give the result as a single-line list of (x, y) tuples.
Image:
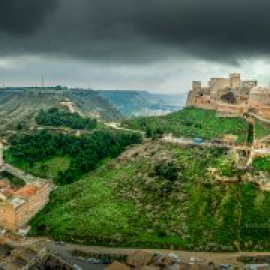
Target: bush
[(167, 170), (56, 118)]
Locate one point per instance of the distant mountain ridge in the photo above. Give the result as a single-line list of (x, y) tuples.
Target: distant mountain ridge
[(143, 103), (21, 105)]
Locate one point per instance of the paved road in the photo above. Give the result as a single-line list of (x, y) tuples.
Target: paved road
[(64, 251), (65, 254), (216, 257)]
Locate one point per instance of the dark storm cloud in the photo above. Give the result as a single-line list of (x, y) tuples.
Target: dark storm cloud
[(21, 17), (137, 30)]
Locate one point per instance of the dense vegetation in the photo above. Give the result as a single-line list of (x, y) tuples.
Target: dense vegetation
[(77, 155), (262, 164), (12, 180), (58, 118), (159, 196), (190, 122)]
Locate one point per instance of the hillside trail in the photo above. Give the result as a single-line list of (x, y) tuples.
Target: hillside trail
[(71, 106)]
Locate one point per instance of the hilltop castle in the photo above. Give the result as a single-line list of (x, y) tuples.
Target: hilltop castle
[(231, 96)]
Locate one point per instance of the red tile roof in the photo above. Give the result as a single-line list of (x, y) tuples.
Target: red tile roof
[(26, 191)]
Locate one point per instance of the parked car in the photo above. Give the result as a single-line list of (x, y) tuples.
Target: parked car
[(77, 267), (105, 261), (197, 140), (257, 267), (174, 257), (93, 260), (226, 267)]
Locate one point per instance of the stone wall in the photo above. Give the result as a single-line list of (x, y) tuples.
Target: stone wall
[(205, 103), (249, 84), (234, 110), (219, 83), (259, 96), (262, 111), (196, 85)]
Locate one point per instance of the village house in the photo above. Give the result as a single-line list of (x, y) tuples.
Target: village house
[(17, 207)]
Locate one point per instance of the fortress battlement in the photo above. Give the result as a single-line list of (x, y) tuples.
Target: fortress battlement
[(231, 96)]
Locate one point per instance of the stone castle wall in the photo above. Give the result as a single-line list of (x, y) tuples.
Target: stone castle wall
[(235, 80), (260, 97), (219, 83), (244, 96), (231, 109), (205, 103)]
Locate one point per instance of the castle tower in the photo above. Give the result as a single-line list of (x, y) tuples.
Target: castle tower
[(196, 85), (235, 80)]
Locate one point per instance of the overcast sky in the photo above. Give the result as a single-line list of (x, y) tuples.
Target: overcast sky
[(156, 45)]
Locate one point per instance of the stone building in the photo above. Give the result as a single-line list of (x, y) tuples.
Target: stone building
[(230, 96), (259, 96), (19, 206)]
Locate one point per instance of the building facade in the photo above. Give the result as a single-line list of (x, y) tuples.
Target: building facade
[(18, 207)]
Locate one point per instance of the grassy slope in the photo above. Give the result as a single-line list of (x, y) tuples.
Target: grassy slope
[(261, 130), (126, 203), (262, 163), (192, 122), (50, 168)]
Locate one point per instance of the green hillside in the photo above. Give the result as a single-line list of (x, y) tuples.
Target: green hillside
[(19, 107), (158, 195), (262, 163), (191, 122)]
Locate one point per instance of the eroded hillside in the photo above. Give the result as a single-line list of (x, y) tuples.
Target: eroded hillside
[(20, 106)]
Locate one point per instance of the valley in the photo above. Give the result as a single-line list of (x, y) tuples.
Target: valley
[(143, 103), (180, 181)]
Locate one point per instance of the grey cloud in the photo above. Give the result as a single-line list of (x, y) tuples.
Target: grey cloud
[(137, 30), (20, 17)]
